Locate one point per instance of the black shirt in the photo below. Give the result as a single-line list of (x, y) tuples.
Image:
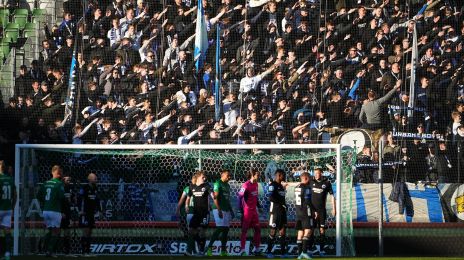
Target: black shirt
[(88, 199), (68, 201), (319, 190), (276, 193), (200, 195), (303, 199)]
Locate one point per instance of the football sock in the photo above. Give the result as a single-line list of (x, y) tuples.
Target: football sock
[(299, 244), (305, 244), (270, 244), (224, 234), (283, 246), (8, 242)]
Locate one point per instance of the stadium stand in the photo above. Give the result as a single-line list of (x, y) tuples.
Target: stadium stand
[(291, 72)]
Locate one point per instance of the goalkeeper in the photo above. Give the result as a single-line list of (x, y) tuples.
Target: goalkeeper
[(222, 212), (248, 205), (200, 194)]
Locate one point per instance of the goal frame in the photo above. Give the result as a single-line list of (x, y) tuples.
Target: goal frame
[(336, 147)]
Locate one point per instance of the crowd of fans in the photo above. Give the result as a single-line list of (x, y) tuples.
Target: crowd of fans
[(290, 69)]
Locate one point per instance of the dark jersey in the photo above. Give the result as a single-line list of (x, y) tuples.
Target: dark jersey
[(88, 200), (200, 195), (319, 190), (51, 194), (303, 199), (276, 194), (7, 192), (68, 200)]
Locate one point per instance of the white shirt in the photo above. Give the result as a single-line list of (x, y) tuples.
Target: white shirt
[(186, 138), (114, 35), (247, 83), (181, 97), (147, 127), (455, 128), (230, 115)]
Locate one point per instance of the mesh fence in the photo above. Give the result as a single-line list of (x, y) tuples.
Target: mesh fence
[(139, 191), (280, 72)]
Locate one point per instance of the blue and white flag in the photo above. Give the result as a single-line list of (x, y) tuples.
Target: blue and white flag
[(201, 37), (72, 86), (217, 87)]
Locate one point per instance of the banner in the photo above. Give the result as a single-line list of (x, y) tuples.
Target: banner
[(423, 202), (452, 197), (417, 135), (168, 246)]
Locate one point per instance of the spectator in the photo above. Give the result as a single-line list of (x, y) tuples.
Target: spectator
[(290, 72), (370, 114), (23, 82)]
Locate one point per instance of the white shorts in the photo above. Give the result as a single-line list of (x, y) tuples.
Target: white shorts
[(5, 218), (224, 221), (189, 217), (52, 219)]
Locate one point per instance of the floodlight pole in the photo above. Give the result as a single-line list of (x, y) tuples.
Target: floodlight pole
[(381, 144)]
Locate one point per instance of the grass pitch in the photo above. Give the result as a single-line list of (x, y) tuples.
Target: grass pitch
[(133, 257)]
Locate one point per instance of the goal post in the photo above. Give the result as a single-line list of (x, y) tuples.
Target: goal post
[(142, 183)]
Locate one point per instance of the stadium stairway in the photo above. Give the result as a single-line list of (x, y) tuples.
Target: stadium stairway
[(23, 23)]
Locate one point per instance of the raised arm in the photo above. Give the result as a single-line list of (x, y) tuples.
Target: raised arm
[(193, 133), (186, 43), (269, 70), (215, 19), (86, 129), (163, 120), (390, 94)]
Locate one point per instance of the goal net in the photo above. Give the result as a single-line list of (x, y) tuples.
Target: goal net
[(139, 187)]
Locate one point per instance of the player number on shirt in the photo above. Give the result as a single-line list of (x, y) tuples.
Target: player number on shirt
[(49, 192), (298, 198), (6, 195)]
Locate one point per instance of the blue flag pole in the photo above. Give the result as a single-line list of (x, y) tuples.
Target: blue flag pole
[(217, 89)]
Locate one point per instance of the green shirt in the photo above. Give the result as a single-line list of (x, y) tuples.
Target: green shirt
[(186, 192), (223, 190), (7, 192), (51, 194)]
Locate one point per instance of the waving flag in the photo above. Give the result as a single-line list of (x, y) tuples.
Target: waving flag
[(71, 94), (412, 83), (201, 37), (217, 87)]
